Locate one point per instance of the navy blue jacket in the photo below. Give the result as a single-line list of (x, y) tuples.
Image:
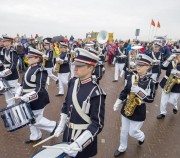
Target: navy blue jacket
[(49, 61), (34, 79), (64, 68), (96, 112), (11, 61)]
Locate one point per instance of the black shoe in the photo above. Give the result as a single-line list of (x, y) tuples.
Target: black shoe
[(115, 81), (27, 141), (141, 143), (52, 133), (175, 111), (57, 81), (118, 153), (57, 95), (160, 116)]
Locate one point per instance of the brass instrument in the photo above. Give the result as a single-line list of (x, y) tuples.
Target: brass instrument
[(171, 81), (72, 56), (56, 49), (132, 101), (57, 67), (57, 53)]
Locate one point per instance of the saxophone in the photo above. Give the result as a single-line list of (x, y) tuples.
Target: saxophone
[(171, 81), (132, 101), (56, 52)]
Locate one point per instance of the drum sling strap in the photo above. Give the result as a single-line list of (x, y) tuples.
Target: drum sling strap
[(79, 127)]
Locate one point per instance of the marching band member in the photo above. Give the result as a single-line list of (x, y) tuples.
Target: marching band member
[(34, 92), (170, 83), (64, 70), (48, 59), (10, 72), (99, 68), (156, 56), (84, 107), (119, 60), (140, 88), (102, 53)]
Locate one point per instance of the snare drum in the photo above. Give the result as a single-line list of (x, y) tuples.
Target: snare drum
[(17, 116), (52, 153), (3, 86)]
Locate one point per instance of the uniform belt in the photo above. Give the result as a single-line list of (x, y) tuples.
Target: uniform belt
[(28, 90), (78, 126), (7, 66)]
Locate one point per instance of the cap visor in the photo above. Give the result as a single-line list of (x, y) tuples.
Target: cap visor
[(78, 63), (141, 64)]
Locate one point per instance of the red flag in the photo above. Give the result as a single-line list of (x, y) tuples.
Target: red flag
[(152, 23), (158, 24)]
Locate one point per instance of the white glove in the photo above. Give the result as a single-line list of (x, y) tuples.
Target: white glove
[(1, 74), (5, 73), (29, 97), (141, 93), (166, 63), (69, 150), (45, 56), (18, 92), (132, 64), (156, 62), (122, 73), (59, 130), (117, 104), (172, 56), (174, 71), (135, 89), (59, 60)]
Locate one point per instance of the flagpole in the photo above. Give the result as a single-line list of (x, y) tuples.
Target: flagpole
[(156, 31), (149, 33)]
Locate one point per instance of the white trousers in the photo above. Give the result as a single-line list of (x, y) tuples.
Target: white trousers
[(168, 98), (118, 69), (72, 70), (154, 76), (133, 129), (41, 123), (11, 93), (50, 74), (63, 80)]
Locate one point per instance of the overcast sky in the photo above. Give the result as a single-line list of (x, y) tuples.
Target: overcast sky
[(77, 17)]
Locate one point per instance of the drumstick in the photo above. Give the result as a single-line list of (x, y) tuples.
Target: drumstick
[(61, 147), (44, 140)]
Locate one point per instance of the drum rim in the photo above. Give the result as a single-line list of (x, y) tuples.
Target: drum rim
[(11, 106), (45, 148)]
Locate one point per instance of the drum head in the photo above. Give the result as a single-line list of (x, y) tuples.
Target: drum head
[(51, 153)]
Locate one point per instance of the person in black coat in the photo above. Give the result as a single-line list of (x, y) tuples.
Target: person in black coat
[(9, 71), (33, 91), (48, 60), (172, 67), (64, 71), (141, 87), (84, 108)]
